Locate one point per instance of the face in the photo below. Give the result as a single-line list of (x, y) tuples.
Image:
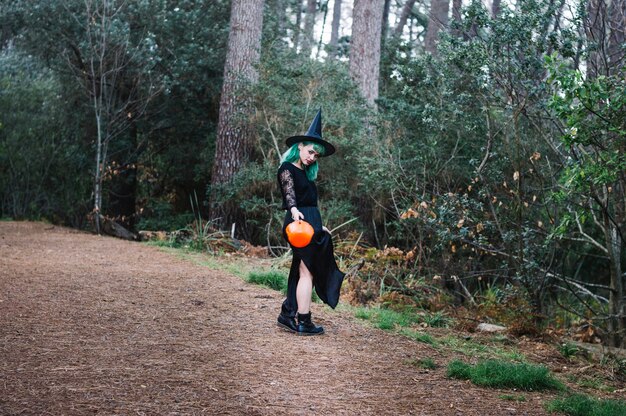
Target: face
[(308, 155)]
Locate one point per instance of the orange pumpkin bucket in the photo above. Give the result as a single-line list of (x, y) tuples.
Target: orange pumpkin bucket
[(299, 233)]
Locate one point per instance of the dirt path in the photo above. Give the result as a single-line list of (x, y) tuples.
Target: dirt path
[(96, 325)]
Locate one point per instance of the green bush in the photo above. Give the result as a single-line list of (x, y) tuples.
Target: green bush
[(581, 405), (499, 374)]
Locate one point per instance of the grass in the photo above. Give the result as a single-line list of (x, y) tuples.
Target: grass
[(436, 320), (483, 351), (590, 383), (418, 336), (425, 363), (387, 319), (236, 266), (273, 280), (581, 405), (501, 374), (513, 397)]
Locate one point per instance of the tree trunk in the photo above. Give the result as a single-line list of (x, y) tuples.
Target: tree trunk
[(606, 33), (617, 309), (457, 17), (365, 48), (234, 129), (334, 32), (296, 30), (320, 42), (616, 41), (97, 183), (404, 16), (385, 21), (597, 31), (309, 25), (496, 6), (122, 192), (281, 16), (437, 19)]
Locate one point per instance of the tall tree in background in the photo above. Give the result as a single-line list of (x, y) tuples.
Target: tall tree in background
[(234, 129), (404, 16), (295, 38), (437, 19), (457, 17), (495, 7), (365, 46), (309, 24), (605, 26), (334, 32), (385, 21)]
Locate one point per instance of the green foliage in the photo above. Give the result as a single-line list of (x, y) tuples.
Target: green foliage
[(273, 280), (159, 215), (179, 49), (43, 168), (459, 165), (499, 374), (581, 405)]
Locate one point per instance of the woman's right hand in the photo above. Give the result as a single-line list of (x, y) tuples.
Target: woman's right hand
[(296, 214)]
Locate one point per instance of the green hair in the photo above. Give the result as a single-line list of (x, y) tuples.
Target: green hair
[(292, 155)]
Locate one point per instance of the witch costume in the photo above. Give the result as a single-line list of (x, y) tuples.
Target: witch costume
[(300, 192)]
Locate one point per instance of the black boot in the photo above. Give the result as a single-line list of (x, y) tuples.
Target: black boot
[(306, 327), (287, 322)]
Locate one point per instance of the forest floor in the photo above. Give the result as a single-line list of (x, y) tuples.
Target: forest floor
[(98, 325)]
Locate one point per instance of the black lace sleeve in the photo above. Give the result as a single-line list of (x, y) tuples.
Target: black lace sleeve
[(286, 183)]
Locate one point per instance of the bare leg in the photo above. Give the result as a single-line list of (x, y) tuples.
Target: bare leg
[(304, 291)]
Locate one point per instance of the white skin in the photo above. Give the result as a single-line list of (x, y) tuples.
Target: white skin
[(304, 290)]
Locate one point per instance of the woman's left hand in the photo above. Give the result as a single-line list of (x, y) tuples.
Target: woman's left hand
[(326, 229)]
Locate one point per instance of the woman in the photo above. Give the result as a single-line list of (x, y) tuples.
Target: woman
[(313, 265)]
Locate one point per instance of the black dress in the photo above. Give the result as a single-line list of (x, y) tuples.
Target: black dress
[(298, 191)]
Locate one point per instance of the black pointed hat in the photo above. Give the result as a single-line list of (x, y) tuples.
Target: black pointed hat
[(314, 135)]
